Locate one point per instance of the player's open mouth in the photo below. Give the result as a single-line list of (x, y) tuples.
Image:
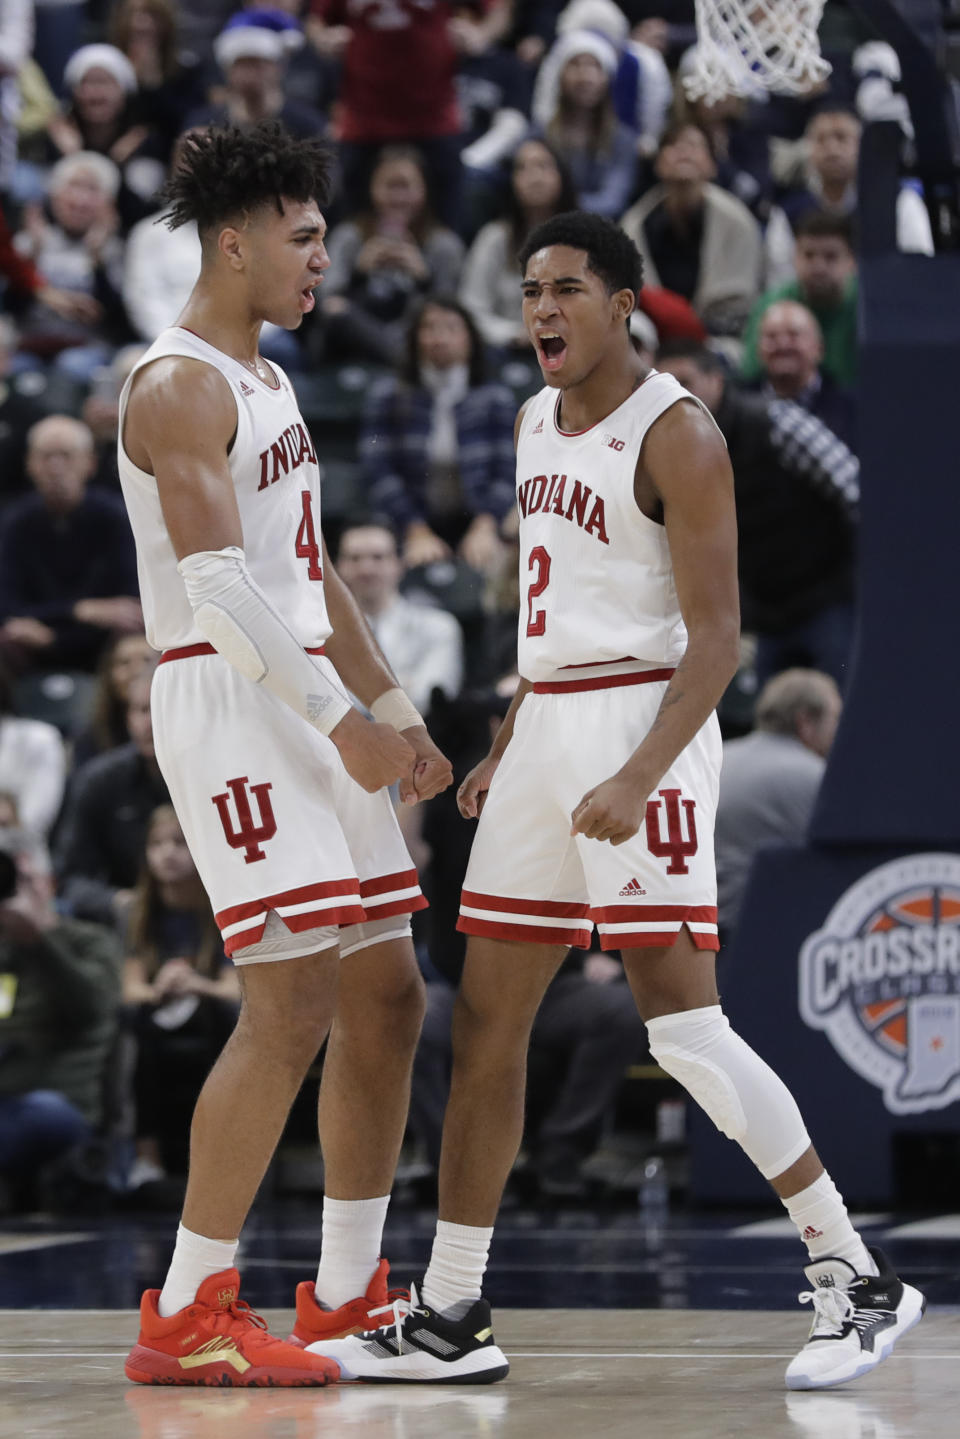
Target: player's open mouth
[(553, 349), (308, 297)]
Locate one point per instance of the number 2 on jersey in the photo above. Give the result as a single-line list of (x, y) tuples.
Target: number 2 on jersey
[(537, 619), (307, 547)]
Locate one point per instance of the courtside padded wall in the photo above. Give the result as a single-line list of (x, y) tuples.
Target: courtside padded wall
[(894, 773)]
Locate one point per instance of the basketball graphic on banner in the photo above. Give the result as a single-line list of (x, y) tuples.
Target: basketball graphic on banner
[(882, 979)]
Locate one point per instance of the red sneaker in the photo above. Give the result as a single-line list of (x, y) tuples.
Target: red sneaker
[(218, 1340), (314, 1323)]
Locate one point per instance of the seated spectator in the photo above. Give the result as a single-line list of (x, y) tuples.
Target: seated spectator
[(573, 107), (126, 659), (540, 187), (696, 239), (182, 996), (251, 51), (169, 81), (33, 766), (77, 247), (100, 115), (20, 409), (105, 820), (770, 779), (423, 645), (68, 575), (59, 996), (383, 260), (797, 488), (826, 283), (587, 1025), (437, 443), (791, 353), (100, 412), (828, 181), (24, 282)]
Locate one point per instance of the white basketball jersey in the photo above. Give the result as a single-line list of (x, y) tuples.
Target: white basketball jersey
[(596, 578), (277, 481)]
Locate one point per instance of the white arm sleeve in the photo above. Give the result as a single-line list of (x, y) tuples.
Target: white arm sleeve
[(242, 625)]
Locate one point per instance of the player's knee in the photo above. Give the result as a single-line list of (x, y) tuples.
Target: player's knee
[(678, 1042), (293, 1031)]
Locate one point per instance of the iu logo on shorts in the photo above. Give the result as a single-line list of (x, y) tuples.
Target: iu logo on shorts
[(676, 846), (247, 835)]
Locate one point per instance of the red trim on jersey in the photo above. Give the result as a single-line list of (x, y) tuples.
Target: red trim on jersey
[(384, 883), (572, 434), (555, 908), (524, 933), (186, 652), (601, 682), (622, 913), (592, 664), (654, 939)]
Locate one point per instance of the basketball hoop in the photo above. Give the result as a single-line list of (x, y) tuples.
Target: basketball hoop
[(743, 45)]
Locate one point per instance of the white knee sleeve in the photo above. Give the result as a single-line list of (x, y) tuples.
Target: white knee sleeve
[(741, 1094)]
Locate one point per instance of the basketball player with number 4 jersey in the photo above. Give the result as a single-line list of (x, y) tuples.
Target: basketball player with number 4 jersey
[(280, 785), (596, 808)]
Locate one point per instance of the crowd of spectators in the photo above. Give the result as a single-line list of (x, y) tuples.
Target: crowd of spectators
[(456, 129)]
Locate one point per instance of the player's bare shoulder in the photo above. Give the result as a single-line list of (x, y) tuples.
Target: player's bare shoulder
[(682, 452), (174, 403)]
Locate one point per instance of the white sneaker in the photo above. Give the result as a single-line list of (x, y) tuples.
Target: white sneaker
[(415, 1345), (857, 1319)]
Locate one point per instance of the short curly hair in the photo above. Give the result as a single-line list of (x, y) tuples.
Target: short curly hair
[(225, 172), (611, 254)]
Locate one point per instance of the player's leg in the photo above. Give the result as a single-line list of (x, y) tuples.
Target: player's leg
[(362, 1115), (860, 1307), (445, 1334), (191, 1332)]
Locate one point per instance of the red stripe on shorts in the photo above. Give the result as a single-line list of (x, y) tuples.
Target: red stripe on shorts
[(622, 913), (524, 933), (557, 909), (186, 652), (384, 883)]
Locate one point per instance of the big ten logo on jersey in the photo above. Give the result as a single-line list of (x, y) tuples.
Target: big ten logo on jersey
[(289, 451), (570, 499), (248, 834), (612, 443), (672, 829), (882, 979)]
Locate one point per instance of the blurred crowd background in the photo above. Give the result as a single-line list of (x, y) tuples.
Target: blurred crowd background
[(456, 128)]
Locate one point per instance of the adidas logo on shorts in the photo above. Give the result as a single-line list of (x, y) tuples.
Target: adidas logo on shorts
[(631, 890)]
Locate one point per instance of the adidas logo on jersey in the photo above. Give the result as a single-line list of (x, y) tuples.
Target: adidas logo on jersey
[(631, 890), (538, 427), (246, 389)]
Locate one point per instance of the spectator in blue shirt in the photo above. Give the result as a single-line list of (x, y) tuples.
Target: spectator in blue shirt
[(437, 443), (68, 575)]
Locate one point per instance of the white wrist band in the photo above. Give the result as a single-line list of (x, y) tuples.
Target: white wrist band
[(393, 707)]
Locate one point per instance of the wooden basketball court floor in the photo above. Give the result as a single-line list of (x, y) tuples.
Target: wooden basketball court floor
[(660, 1369)]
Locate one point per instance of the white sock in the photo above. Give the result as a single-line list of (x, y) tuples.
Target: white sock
[(458, 1260), (194, 1260), (349, 1248), (821, 1217)]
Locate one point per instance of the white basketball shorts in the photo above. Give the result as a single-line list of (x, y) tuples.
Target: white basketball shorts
[(275, 824), (530, 880)]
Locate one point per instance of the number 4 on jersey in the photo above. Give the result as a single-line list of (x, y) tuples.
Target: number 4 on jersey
[(307, 547)]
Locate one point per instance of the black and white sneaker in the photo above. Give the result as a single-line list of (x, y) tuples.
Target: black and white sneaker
[(416, 1345), (857, 1319)]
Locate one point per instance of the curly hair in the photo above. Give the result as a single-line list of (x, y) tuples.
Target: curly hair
[(611, 254), (225, 172)]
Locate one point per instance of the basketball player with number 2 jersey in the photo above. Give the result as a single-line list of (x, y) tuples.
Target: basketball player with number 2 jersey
[(596, 808), (279, 783)]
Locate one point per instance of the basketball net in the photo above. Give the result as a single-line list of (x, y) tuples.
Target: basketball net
[(743, 45)]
